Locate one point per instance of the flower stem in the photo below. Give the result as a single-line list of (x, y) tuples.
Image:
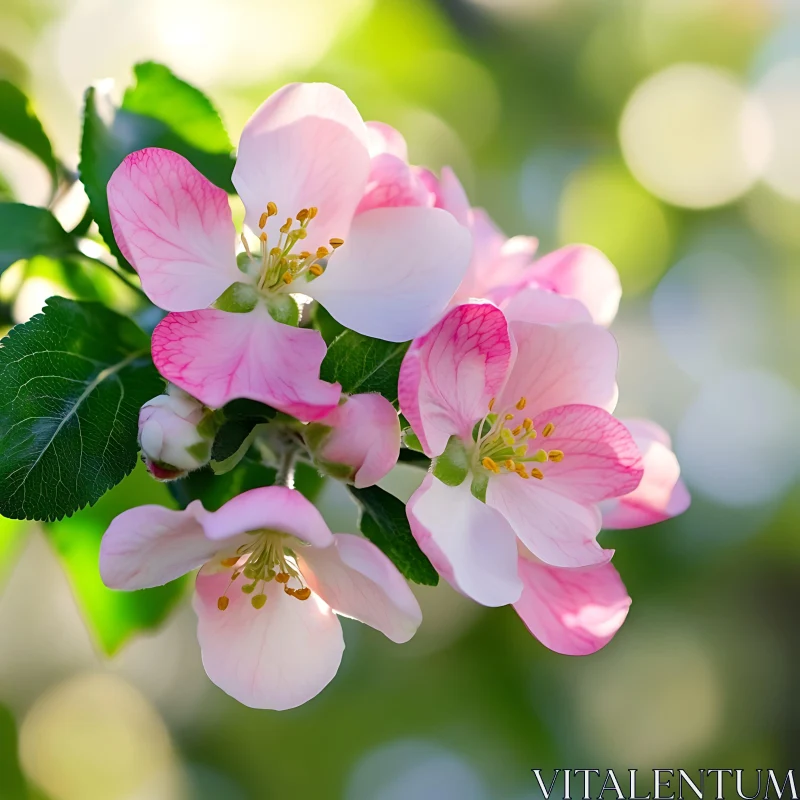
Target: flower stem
[(286, 465)]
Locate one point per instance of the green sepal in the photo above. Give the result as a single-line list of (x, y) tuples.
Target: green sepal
[(452, 466), (238, 298), (479, 485), (315, 435), (411, 441), (283, 308)]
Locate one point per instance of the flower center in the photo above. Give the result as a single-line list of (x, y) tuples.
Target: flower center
[(264, 559), (274, 268), (503, 449)]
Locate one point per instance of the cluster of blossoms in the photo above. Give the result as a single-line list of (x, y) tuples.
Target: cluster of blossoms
[(508, 387)]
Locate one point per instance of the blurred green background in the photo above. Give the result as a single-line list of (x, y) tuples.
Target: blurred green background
[(665, 132)]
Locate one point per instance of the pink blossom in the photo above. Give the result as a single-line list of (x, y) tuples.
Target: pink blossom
[(272, 580), (302, 171), (358, 441), (517, 418)]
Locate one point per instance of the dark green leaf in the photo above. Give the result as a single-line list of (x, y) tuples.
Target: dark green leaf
[(74, 378), (19, 124), (240, 416), (12, 781), (110, 134), (326, 324), (113, 617), (383, 521), (362, 364), (160, 94), (27, 231)]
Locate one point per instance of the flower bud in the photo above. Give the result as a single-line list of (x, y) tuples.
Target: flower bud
[(175, 434), (359, 441)]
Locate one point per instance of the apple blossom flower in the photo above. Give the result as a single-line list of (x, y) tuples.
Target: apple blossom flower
[(175, 434), (359, 441), (302, 170), (272, 579), (516, 417)]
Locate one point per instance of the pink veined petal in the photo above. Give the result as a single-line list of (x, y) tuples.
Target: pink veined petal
[(275, 508), (383, 138), (151, 545), (600, 460), (532, 304), (393, 184), (661, 493), (175, 228), (556, 529), (575, 612), (395, 273), (559, 365), (471, 546), (582, 272), (217, 356), (276, 657), (365, 435), (449, 375), (452, 197), (305, 146), (358, 581)]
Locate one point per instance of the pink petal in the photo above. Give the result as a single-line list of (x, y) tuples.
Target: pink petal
[(452, 197), (217, 356), (276, 657), (395, 273), (661, 493), (532, 304), (175, 228), (365, 435), (358, 581), (584, 273), (393, 184), (572, 611), (449, 375), (600, 459), (560, 365), (554, 528), (471, 546), (306, 145), (151, 545), (383, 138), (272, 507)]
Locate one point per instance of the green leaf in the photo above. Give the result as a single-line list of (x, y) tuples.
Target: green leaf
[(28, 231), (362, 364), (74, 378), (110, 134), (112, 616), (19, 124), (12, 781), (12, 535), (240, 417), (383, 521), (160, 94)]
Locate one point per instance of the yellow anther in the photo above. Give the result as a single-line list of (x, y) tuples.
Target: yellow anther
[(527, 423), (302, 215), (303, 594), (316, 270), (517, 431), (488, 463), (287, 277), (263, 237), (508, 417), (334, 243), (548, 429), (491, 403), (322, 252), (222, 603), (509, 464), (288, 590), (282, 577), (272, 209), (275, 252), (539, 456), (521, 403), (229, 562), (507, 436), (312, 212), (537, 473), (287, 226), (305, 254), (300, 233), (263, 220), (522, 473), (258, 601), (556, 455)]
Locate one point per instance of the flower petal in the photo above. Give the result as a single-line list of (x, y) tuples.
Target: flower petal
[(469, 543), (151, 545), (532, 304), (449, 375), (452, 197), (395, 273), (584, 273), (393, 184), (175, 228), (357, 580), (554, 528), (600, 458), (383, 138), (306, 145), (217, 356), (559, 365), (276, 657), (572, 611), (661, 493)]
